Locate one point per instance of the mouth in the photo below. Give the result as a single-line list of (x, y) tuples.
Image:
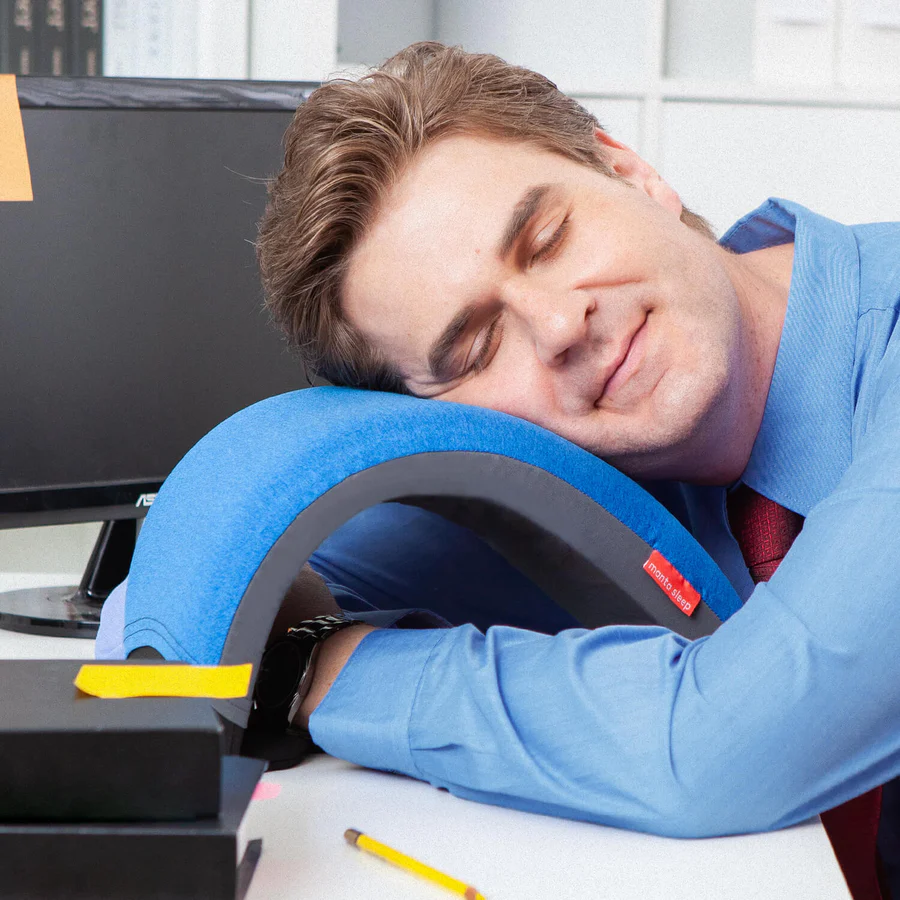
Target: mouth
[(630, 359)]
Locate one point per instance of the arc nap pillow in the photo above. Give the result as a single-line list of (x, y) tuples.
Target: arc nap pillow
[(246, 507)]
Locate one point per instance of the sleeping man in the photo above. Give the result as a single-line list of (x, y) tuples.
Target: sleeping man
[(455, 228)]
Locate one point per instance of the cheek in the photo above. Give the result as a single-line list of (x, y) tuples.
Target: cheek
[(515, 390)]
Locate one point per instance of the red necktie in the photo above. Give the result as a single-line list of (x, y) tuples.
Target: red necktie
[(764, 532)]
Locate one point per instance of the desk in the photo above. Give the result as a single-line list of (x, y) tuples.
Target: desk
[(508, 855)]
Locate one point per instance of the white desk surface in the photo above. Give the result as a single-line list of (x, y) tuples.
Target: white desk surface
[(507, 855)]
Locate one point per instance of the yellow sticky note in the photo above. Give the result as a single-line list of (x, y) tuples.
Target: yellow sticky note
[(15, 175), (112, 681)]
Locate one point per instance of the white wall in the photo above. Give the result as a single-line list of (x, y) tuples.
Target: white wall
[(28, 553), (725, 159), (369, 32), (579, 44)]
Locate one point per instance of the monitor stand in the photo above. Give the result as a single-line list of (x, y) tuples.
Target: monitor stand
[(74, 611)]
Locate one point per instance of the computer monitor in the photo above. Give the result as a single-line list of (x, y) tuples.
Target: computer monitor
[(131, 318)]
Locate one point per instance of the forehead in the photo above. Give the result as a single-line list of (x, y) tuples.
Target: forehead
[(431, 246)]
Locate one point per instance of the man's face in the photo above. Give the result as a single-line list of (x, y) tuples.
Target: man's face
[(505, 276)]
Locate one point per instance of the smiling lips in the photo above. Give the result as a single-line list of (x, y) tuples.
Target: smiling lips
[(627, 364)]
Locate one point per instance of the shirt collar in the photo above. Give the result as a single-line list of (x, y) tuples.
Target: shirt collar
[(803, 445)]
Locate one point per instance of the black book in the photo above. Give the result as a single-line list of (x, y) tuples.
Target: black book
[(66, 756), (209, 858), (19, 26), (4, 37), (86, 22), (53, 37)]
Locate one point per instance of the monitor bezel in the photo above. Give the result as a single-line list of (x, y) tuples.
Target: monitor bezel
[(92, 502), (37, 91)]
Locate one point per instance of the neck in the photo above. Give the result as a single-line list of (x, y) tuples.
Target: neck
[(762, 281)]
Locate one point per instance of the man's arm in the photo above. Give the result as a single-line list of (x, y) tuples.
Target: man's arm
[(333, 654), (790, 708), (309, 596)]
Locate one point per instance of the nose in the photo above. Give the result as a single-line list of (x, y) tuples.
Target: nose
[(556, 320)]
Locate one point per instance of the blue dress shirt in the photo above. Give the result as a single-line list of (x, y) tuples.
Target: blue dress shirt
[(791, 707)]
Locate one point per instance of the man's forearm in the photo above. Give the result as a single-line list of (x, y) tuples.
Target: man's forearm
[(627, 725)]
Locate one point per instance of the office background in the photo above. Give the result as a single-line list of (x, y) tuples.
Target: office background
[(732, 100)]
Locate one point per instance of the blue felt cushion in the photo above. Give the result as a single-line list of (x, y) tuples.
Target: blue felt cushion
[(234, 494)]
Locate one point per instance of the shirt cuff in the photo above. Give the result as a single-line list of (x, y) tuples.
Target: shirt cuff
[(364, 717)]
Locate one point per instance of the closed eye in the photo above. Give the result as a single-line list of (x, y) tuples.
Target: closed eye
[(549, 247), (485, 351)]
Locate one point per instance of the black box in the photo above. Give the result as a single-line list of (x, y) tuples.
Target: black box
[(203, 860), (65, 756)]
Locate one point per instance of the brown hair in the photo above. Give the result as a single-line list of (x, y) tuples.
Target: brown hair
[(345, 148)]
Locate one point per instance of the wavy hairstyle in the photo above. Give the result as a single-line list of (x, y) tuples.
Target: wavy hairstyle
[(345, 148)]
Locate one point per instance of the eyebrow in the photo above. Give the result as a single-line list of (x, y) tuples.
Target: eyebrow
[(522, 214)]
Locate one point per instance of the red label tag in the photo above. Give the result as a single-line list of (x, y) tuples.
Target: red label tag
[(672, 583)]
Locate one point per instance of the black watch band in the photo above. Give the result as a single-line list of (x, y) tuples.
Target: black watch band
[(287, 667)]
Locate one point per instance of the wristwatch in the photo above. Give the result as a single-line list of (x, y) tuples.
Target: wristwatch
[(287, 668)]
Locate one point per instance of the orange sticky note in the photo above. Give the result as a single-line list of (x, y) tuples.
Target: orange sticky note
[(15, 175)]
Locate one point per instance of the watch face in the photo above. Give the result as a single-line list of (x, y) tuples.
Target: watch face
[(280, 671)]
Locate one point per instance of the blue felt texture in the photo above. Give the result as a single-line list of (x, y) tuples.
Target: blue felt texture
[(236, 492)]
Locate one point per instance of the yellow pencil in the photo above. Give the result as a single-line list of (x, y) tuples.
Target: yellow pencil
[(376, 848)]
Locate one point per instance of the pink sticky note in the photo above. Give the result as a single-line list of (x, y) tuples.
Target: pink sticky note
[(266, 790)]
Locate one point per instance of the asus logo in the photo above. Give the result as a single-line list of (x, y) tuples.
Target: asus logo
[(145, 500)]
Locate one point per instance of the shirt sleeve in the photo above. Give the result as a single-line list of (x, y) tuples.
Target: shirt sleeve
[(110, 643), (790, 708)]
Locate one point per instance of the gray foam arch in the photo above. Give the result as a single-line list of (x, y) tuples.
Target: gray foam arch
[(578, 553)]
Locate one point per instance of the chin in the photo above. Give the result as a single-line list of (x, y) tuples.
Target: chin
[(674, 440)]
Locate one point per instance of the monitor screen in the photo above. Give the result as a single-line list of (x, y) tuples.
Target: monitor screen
[(132, 317)]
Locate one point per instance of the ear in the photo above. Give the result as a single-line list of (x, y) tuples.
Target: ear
[(627, 164)]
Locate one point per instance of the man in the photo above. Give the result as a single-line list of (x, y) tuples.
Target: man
[(455, 228)]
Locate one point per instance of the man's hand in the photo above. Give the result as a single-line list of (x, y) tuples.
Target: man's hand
[(308, 597), (333, 653)]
